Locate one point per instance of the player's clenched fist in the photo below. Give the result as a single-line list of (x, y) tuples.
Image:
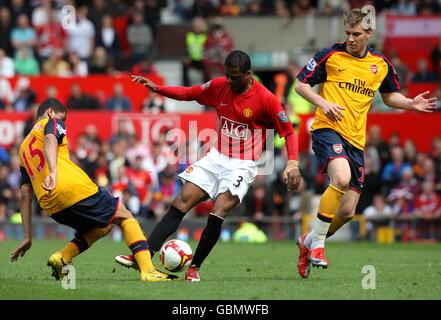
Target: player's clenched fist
[(291, 175)]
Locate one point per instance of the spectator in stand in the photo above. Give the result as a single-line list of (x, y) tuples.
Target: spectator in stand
[(203, 8), (25, 97), (52, 37), (254, 8), (194, 43), (6, 192), (26, 64), (152, 13), (30, 121), (51, 92), (428, 7), (168, 189), (153, 103), (281, 10), (23, 36), (140, 38), (428, 209), (423, 74), (97, 10), (78, 67), (376, 213), (118, 102), (218, 45), (81, 39), (401, 69), (228, 8), (41, 14), (6, 65), (436, 58), (145, 67), (393, 171), (119, 149), (404, 8), (435, 153), (142, 182), (107, 38), (429, 172), (81, 101), (303, 8), (55, 65), (371, 184), (18, 7), (100, 62), (121, 183), (257, 202), (376, 141), (123, 132), (6, 31)]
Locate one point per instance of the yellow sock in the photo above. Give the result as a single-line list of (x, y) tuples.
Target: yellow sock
[(330, 202), (337, 223), (137, 242), (70, 251), (82, 242)]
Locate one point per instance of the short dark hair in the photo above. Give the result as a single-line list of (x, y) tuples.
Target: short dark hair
[(238, 59), (50, 103)]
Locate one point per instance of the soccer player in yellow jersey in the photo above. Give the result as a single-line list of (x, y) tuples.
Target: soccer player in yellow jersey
[(70, 197), (349, 73)]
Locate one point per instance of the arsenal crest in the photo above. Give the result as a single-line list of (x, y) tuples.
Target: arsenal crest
[(374, 68), (337, 148)]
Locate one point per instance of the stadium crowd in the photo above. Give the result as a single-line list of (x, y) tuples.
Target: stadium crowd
[(121, 36)]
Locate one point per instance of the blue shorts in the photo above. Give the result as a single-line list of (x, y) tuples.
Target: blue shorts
[(96, 211), (328, 144)]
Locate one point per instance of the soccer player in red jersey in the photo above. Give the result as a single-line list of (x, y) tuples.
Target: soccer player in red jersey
[(246, 110), (349, 73)]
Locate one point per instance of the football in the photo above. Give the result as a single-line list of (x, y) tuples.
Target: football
[(175, 255)]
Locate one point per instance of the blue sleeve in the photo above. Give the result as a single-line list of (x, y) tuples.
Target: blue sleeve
[(24, 176), (57, 128), (315, 71), (391, 82)]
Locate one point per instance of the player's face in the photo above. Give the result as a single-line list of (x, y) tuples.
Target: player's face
[(237, 81), (56, 115), (357, 39)]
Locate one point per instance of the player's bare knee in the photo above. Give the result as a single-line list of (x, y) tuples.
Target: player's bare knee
[(341, 181)]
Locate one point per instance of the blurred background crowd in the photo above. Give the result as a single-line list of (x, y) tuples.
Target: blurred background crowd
[(121, 37)]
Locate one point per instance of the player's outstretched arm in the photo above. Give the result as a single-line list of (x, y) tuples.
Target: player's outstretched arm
[(145, 82), (291, 176), (51, 155), (332, 110), (420, 103), (26, 217)]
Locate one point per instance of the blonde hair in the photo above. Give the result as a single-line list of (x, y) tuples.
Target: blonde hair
[(354, 17)]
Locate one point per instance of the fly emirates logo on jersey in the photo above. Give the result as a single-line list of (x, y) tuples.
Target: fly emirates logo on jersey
[(234, 129)]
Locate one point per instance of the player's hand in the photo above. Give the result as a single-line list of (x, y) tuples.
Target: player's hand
[(50, 181), (20, 251), (145, 82), (291, 176), (422, 103), (332, 110)]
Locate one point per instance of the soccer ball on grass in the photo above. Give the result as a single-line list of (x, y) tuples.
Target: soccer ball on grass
[(175, 255)]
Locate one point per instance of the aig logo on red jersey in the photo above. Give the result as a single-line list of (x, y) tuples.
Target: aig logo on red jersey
[(337, 147), (234, 129)]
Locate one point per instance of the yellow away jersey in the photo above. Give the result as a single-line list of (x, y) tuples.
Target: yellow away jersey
[(351, 82), (73, 184)]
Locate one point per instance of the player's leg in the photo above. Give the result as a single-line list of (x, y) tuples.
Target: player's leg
[(339, 173), (189, 196), (224, 203), (79, 244), (137, 242), (345, 213)]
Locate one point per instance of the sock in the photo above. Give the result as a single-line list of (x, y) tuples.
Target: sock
[(165, 228), (82, 242), (209, 237), (328, 208), (137, 242), (337, 223)]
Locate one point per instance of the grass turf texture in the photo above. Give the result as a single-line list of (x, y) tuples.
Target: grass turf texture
[(233, 271)]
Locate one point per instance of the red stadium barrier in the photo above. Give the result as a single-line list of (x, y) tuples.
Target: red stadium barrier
[(419, 127)]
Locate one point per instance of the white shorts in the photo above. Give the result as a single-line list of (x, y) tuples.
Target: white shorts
[(216, 173)]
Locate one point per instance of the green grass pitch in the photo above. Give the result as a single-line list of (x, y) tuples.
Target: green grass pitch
[(233, 271)]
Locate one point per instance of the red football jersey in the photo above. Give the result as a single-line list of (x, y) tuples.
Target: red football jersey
[(244, 119)]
